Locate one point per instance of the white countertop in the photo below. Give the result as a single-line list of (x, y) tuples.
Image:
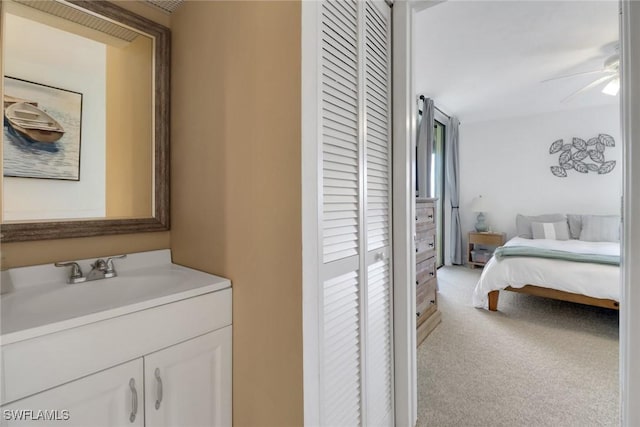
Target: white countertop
[(37, 300)]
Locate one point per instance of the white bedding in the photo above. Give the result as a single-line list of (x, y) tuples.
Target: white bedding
[(594, 280)]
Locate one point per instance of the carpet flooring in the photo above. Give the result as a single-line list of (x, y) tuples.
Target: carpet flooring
[(535, 362)]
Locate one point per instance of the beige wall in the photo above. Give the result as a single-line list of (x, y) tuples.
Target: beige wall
[(33, 253), (236, 203), (47, 251), (129, 180)]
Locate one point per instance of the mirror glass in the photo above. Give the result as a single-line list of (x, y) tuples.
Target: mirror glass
[(80, 130)]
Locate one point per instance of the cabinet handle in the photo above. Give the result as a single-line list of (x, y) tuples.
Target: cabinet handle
[(418, 314), (158, 388), (430, 216), (431, 273), (134, 400), (431, 245)]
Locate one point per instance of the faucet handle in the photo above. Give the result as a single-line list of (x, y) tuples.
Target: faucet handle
[(111, 270), (76, 272)]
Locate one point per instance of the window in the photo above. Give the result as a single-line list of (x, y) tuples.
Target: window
[(437, 182)]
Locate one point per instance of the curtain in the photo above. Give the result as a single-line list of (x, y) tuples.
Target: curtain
[(453, 186), (425, 148)]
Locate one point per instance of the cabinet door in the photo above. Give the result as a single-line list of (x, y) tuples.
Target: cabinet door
[(189, 384), (108, 398)]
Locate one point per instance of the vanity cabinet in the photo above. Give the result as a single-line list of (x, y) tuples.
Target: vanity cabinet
[(151, 347), (186, 384)]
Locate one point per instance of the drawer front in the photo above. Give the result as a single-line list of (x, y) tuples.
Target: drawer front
[(426, 300), (425, 270), (486, 239), (425, 246), (422, 227), (425, 214)]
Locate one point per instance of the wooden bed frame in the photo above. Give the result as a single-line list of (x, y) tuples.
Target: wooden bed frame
[(554, 294)]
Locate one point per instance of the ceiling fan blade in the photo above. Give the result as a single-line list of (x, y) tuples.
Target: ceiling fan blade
[(602, 70), (589, 86)]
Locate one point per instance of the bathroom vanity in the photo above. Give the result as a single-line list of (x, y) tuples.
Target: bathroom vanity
[(149, 347)]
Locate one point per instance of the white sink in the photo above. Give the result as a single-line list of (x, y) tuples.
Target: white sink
[(38, 300)]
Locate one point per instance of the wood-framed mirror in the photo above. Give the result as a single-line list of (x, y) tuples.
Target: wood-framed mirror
[(86, 90)]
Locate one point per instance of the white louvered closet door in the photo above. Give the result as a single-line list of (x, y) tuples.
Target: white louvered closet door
[(356, 308)]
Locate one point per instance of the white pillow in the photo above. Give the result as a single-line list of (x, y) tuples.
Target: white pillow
[(600, 228), (550, 230), (523, 223)]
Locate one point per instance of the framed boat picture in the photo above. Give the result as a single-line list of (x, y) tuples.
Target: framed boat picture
[(42, 131)]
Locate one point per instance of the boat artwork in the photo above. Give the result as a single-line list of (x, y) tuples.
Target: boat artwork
[(42, 131), (31, 123)]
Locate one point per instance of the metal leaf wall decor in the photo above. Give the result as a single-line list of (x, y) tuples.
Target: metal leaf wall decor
[(583, 156)]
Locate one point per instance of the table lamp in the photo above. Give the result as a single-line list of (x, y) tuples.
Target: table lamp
[(479, 204)]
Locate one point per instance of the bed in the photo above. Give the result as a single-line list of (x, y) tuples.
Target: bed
[(570, 269)]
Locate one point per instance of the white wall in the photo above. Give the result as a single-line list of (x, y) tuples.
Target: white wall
[(42, 54), (507, 161)]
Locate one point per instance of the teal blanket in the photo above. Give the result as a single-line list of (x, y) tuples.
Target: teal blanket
[(527, 251)]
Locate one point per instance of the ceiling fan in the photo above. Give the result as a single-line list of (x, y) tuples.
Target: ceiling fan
[(610, 75)]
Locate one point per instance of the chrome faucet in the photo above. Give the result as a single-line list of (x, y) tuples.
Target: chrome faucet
[(76, 275), (100, 269)]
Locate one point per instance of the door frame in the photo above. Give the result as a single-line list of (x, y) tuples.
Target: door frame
[(404, 132), (630, 319), (405, 110), (311, 203), (404, 183)]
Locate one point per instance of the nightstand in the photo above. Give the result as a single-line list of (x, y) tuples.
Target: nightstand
[(481, 245)]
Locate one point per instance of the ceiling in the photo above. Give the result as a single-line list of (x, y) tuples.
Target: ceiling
[(485, 60)]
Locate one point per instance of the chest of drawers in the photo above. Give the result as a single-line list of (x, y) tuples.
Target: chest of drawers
[(428, 316)]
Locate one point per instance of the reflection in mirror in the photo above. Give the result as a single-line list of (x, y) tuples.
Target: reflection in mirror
[(85, 130)]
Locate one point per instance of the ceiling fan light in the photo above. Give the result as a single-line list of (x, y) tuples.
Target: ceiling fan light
[(613, 87)]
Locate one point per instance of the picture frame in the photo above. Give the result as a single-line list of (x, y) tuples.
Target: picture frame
[(42, 129)]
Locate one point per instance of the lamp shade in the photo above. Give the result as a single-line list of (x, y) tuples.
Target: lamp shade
[(479, 204)]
